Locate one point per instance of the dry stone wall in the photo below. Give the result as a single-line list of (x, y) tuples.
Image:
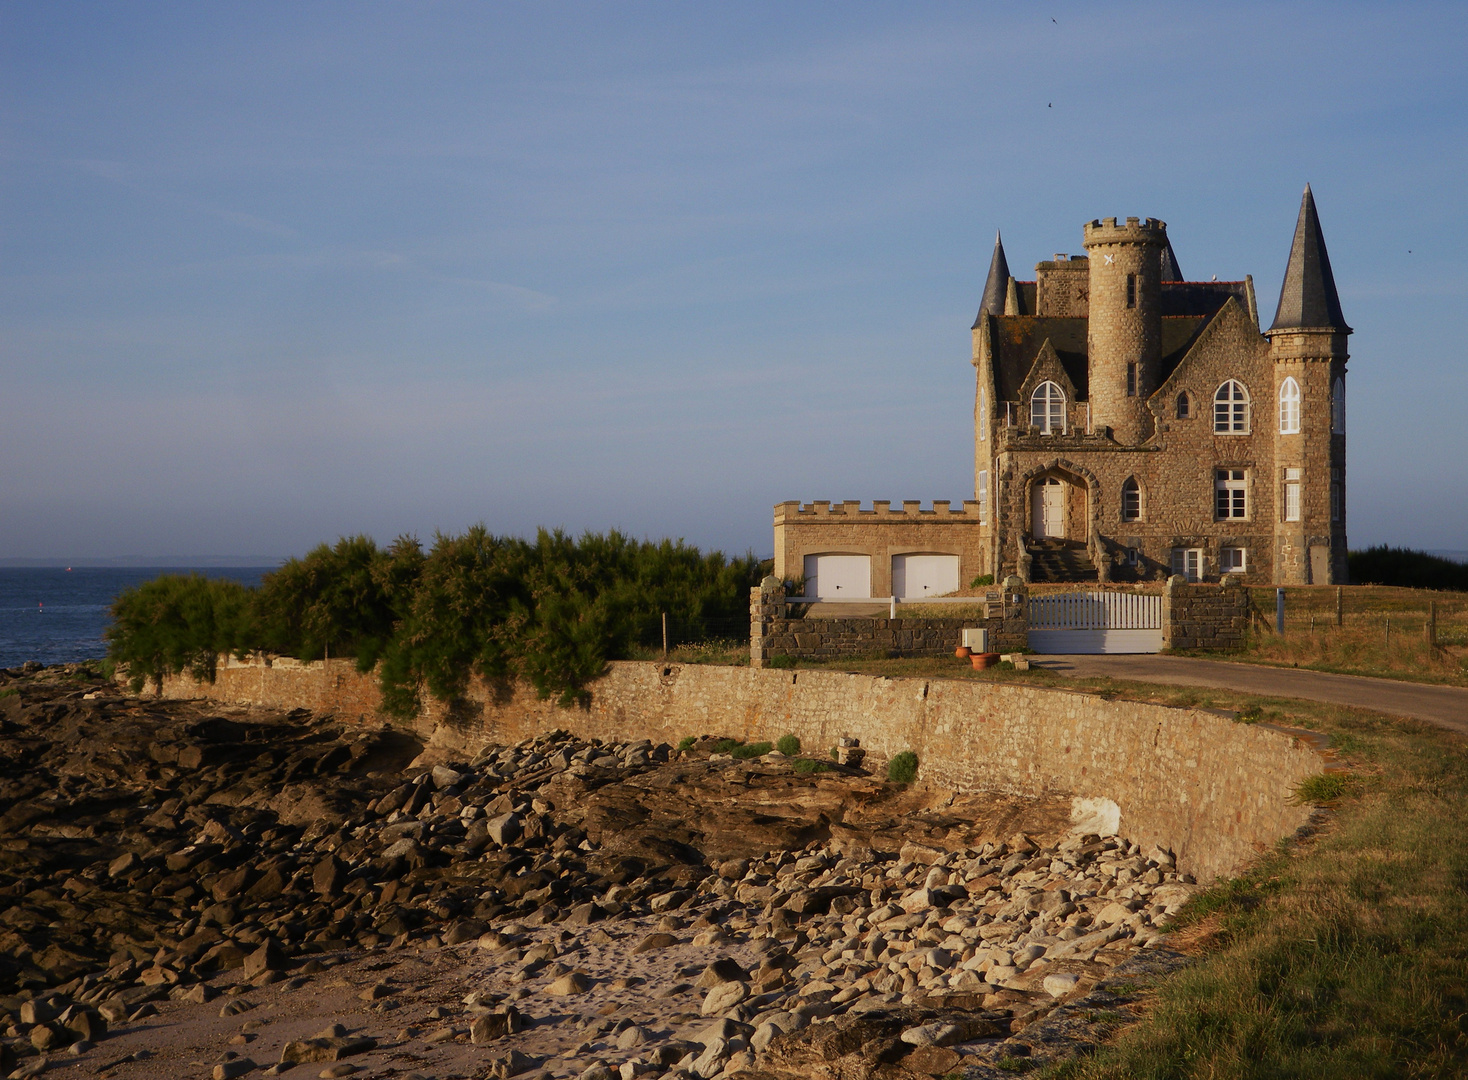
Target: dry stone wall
[(1188, 780), (1204, 616)]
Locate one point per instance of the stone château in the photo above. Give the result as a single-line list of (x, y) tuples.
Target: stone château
[(1128, 425)]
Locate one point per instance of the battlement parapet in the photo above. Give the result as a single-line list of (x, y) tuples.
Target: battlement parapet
[(850, 510), (1135, 231)]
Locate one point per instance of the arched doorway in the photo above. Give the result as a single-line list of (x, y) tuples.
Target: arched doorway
[(1047, 509)]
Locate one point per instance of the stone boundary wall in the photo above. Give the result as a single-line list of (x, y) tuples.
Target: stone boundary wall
[(1198, 616), (1213, 791), (772, 632)]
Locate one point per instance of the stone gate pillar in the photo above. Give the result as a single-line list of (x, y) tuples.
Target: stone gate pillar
[(766, 604)]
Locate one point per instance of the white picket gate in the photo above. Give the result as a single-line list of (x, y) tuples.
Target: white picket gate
[(1095, 621)]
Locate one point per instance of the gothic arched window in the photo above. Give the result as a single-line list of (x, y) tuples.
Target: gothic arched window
[(1131, 500), (1184, 406), (1047, 409), (1231, 409), (1289, 407)]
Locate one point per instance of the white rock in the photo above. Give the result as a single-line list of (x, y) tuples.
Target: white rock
[(724, 997), (1060, 984)]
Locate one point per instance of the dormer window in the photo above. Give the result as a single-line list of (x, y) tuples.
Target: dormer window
[(1047, 409)]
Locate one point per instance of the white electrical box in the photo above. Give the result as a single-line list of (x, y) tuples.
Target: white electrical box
[(976, 640)]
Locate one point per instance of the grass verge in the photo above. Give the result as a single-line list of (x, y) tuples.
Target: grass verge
[(1344, 955)]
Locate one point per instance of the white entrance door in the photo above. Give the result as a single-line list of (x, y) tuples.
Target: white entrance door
[(1047, 509), (923, 574), (838, 576)]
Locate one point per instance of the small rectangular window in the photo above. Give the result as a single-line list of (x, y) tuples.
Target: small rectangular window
[(1292, 502), (1231, 494), (1131, 290), (1232, 560), (1188, 562), (983, 416), (983, 496), (1133, 556), (1131, 380), (1336, 490)]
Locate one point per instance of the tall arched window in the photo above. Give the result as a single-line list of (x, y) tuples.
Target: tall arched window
[(1184, 406), (1231, 409), (1131, 500), (1338, 407), (1289, 407), (1047, 409)]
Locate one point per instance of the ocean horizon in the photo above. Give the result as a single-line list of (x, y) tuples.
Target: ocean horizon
[(57, 614)]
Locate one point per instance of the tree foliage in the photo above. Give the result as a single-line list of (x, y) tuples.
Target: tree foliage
[(551, 612), (1407, 569)]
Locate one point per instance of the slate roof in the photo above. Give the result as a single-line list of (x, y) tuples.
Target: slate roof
[(1308, 299), (996, 285)]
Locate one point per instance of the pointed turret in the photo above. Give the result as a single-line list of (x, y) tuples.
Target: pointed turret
[(1308, 299), (997, 286), (1170, 271)]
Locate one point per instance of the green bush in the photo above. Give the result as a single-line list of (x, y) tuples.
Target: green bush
[(980, 581), (726, 746), (1321, 788), (686, 743), (804, 766), (902, 769), (752, 750), (551, 612), (1407, 569), (788, 745)]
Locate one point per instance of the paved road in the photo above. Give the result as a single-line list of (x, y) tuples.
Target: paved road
[(1446, 706)]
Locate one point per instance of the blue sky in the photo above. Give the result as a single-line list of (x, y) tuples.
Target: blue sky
[(273, 273)]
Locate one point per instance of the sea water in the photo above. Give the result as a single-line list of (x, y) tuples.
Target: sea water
[(58, 616)]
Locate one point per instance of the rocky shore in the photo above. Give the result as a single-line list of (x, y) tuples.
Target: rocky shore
[(190, 891)]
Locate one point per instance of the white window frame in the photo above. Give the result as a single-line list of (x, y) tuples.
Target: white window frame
[(1233, 560), (1188, 562), (1050, 410), (1292, 495), (1231, 494), (983, 494), (1134, 489), (1231, 408), (1182, 406), (1338, 407), (1289, 407)]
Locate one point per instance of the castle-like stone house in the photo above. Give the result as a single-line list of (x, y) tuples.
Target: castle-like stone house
[(1128, 425)]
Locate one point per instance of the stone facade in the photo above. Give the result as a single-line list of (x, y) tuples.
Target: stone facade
[(1146, 420), (1213, 791), (881, 532), (1204, 616)]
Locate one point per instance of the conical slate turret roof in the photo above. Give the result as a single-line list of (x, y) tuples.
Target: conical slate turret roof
[(1170, 271), (1308, 299), (997, 285)]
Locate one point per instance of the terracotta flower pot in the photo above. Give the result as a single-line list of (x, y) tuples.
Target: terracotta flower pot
[(963, 652), (984, 660)]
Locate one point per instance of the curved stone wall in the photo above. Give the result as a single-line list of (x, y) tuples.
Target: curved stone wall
[(1210, 789)]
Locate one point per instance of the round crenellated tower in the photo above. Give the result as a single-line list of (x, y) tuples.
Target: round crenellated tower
[(1124, 336)]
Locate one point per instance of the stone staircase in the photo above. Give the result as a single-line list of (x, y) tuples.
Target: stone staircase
[(1060, 561)]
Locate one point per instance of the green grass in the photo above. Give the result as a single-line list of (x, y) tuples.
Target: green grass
[(1322, 788), (686, 743), (1343, 955), (806, 766), (903, 767)]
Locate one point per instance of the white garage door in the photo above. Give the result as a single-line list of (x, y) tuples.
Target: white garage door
[(838, 575), (924, 575)]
